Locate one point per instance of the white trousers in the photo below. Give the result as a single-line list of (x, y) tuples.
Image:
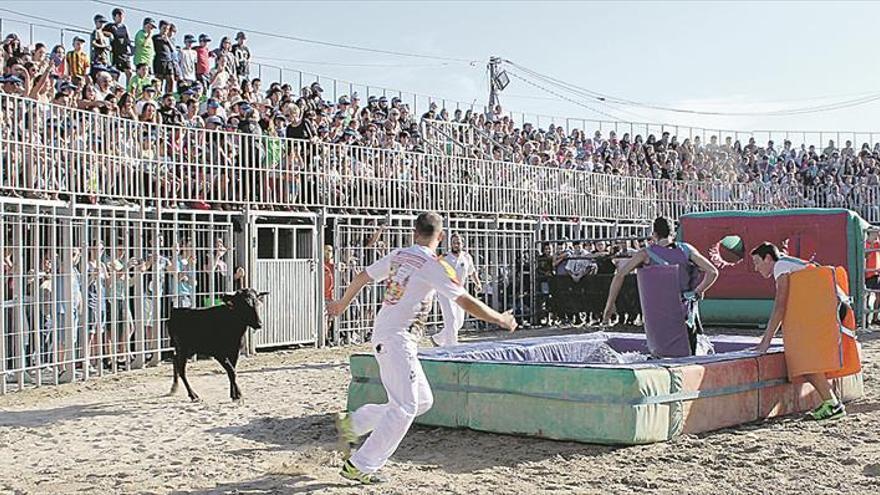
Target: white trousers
[(453, 320), (409, 395)]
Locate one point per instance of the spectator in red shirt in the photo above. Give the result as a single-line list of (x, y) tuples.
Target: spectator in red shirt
[(203, 60)]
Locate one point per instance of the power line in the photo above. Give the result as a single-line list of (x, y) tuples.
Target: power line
[(562, 97), (45, 19), (584, 92), (288, 37), (343, 64)]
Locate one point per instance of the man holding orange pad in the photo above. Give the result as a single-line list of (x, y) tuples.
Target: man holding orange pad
[(769, 262)]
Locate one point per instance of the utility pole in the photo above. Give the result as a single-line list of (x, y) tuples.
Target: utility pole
[(494, 66)]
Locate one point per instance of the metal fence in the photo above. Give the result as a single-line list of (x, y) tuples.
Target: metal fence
[(87, 291), (503, 250), (335, 87), (57, 152)]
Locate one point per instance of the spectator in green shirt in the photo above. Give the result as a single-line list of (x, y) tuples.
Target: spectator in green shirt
[(143, 44), (140, 80)]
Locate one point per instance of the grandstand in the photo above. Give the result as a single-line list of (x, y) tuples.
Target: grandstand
[(125, 195)]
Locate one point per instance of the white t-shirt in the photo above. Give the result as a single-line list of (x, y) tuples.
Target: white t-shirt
[(412, 276), (188, 64), (221, 80), (787, 265), (463, 265)]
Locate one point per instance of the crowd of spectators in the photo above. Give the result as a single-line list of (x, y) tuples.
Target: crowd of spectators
[(150, 78)]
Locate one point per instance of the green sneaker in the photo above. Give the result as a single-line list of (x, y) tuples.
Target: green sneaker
[(827, 410), (345, 431), (350, 472)]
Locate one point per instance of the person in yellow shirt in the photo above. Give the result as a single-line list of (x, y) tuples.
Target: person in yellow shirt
[(78, 59)]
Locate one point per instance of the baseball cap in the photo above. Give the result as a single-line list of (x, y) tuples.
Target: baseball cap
[(240, 35), (204, 37), (99, 18), (150, 89), (213, 104), (214, 120), (343, 100), (188, 38), (317, 87), (383, 98), (372, 99), (149, 21), (77, 38)]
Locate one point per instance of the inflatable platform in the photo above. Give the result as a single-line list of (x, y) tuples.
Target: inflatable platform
[(546, 387), (741, 296)]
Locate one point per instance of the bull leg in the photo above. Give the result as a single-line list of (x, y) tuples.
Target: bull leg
[(181, 362), (234, 392), (174, 366)]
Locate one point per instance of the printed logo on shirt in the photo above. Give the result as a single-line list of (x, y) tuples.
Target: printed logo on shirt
[(449, 271), (395, 287)]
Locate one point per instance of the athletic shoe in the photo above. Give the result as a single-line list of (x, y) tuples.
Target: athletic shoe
[(826, 410), (345, 431), (350, 472)]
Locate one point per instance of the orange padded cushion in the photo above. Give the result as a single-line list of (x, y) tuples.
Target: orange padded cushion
[(811, 331)]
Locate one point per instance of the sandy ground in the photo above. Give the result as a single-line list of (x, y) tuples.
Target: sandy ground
[(123, 435)]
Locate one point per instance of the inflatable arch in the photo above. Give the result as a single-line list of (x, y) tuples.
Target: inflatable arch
[(833, 237)]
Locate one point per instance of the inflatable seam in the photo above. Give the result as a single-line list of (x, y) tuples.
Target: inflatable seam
[(676, 408)]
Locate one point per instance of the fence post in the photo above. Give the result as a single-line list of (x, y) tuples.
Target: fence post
[(250, 232)]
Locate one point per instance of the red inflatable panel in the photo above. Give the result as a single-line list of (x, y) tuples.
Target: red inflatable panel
[(806, 236)]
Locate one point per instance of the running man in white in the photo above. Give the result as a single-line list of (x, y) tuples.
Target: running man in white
[(453, 314), (412, 276)]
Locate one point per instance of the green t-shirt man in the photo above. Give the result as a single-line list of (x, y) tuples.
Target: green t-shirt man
[(143, 48)]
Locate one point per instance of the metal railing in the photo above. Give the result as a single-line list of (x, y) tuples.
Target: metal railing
[(335, 87), (58, 152)]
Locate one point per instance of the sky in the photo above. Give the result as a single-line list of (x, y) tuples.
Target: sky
[(727, 57)]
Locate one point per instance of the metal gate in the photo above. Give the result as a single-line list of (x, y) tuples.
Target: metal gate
[(286, 264), (501, 250), (358, 241)]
